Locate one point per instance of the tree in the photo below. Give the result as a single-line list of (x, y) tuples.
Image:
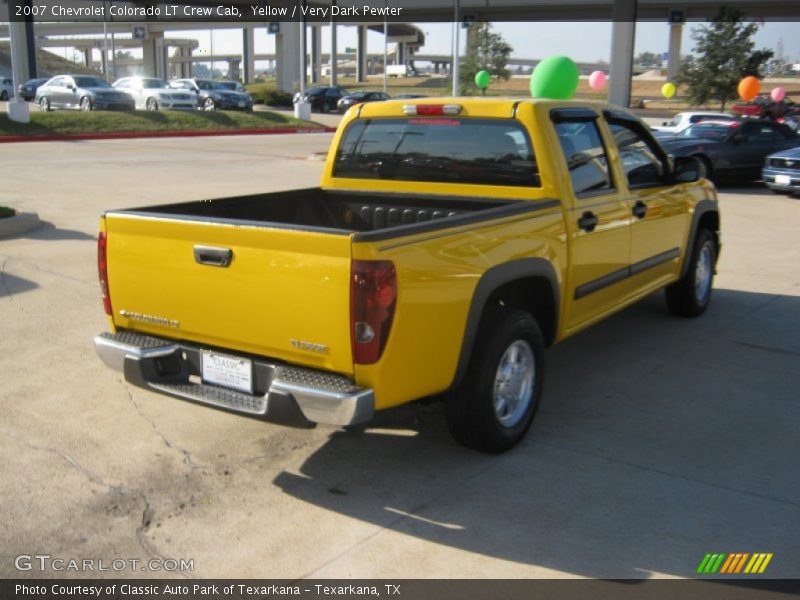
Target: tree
[(648, 59), (725, 54), (486, 50)]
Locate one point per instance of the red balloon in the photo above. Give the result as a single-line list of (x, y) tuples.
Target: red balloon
[(749, 88)]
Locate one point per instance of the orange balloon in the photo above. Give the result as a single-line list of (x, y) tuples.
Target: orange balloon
[(749, 88)]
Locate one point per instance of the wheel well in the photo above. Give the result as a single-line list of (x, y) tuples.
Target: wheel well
[(533, 295), (710, 220)]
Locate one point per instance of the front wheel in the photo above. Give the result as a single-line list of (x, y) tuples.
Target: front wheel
[(44, 104), (495, 404), (86, 104), (4, 96), (705, 167), (691, 294), (151, 104), (208, 104)]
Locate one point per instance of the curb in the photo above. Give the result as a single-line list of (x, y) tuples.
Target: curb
[(19, 223), (67, 137)]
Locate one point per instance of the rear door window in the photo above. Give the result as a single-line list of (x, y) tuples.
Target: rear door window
[(585, 155), (438, 149)]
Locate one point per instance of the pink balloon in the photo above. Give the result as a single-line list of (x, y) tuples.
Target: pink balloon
[(597, 80), (778, 94)]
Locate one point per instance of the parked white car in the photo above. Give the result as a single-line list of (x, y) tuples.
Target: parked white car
[(683, 119), (151, 93), (6, 89)]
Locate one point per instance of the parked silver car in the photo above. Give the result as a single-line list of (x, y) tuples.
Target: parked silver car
[(152, 93), (82, 92), (6, 89)]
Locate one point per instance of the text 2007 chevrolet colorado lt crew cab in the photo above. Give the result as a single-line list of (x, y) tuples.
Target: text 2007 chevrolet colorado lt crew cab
[(450, 242)]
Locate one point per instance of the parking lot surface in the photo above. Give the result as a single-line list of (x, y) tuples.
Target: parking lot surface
[(658, 440)]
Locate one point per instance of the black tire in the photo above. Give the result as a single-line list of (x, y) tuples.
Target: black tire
[(151, 104), (705, 167), (4, 96), (209, 104), (44, 104), (325, 108), (86, 104), (687, 297), (471, 412)]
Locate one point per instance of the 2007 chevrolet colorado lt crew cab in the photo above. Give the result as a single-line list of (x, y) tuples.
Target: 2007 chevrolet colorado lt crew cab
[(449, 243)]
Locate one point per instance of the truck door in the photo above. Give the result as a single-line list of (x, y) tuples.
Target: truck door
[(598, 221), (659, 208)]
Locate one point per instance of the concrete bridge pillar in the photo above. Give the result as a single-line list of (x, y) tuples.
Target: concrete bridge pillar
[(675, 36), (623, 37), (248, 54), (287, 56), (154, 55), (361, 54)]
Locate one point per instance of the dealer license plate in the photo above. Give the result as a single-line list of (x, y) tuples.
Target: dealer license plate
[(228, 371), (783, 179)]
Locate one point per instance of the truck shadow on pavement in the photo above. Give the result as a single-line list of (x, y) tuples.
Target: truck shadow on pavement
[(11, 285), (49, 232), (658, 440)]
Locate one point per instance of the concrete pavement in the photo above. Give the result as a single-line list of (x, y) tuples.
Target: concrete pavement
[(659, 439)]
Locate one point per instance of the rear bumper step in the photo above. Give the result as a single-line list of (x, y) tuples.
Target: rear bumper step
[(283, 393)]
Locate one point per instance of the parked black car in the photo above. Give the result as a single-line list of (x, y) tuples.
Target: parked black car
[(323, 98), (82, 92), (28, 89), (213, 95), (732, 149), (781, 171), (360, 98)]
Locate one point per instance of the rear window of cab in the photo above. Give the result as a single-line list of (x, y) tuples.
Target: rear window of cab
[(438, 149)]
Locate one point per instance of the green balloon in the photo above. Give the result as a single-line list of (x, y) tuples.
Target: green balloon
[(482, 79), (556, 77)]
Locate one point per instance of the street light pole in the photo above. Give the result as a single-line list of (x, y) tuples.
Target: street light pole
[(456, 66), (385, 46)]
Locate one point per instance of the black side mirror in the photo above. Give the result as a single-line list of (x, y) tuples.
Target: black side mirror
[(687, 169)]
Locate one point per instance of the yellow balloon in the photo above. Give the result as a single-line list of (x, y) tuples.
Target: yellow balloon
[(668, 90)]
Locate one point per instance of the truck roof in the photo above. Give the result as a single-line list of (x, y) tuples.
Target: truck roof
[(493, 107)]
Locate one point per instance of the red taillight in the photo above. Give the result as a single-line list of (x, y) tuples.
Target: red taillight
[(102, 270), (373, 295)]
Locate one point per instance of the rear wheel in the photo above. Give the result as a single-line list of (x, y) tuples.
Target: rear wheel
[(151, 104), (4, 96), (325, 108), (691, 294), (495, 404)]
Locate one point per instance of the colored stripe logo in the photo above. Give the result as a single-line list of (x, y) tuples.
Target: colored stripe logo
[(734, 563)]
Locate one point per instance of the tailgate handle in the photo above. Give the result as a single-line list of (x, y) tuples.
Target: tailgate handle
[(214, 257)]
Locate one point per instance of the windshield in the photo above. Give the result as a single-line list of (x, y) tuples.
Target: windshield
[(91, 82), (209, 85), (448, 150), (153, 83), (711, 131), (357, 95), (229, 85)]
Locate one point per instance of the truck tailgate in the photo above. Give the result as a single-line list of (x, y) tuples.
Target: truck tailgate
[(285, 293)]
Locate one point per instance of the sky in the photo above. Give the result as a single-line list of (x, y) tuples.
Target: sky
[(581, 41)]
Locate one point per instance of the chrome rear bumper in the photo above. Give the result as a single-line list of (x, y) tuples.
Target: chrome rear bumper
[(282, 393)]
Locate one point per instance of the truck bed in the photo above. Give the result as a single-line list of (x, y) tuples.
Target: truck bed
[(370, 216)]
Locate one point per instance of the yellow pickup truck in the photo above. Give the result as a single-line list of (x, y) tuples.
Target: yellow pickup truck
[(449, 243)]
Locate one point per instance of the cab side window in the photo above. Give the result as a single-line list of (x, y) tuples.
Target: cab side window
[(641, 161), (585, 156), (762, 132)]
